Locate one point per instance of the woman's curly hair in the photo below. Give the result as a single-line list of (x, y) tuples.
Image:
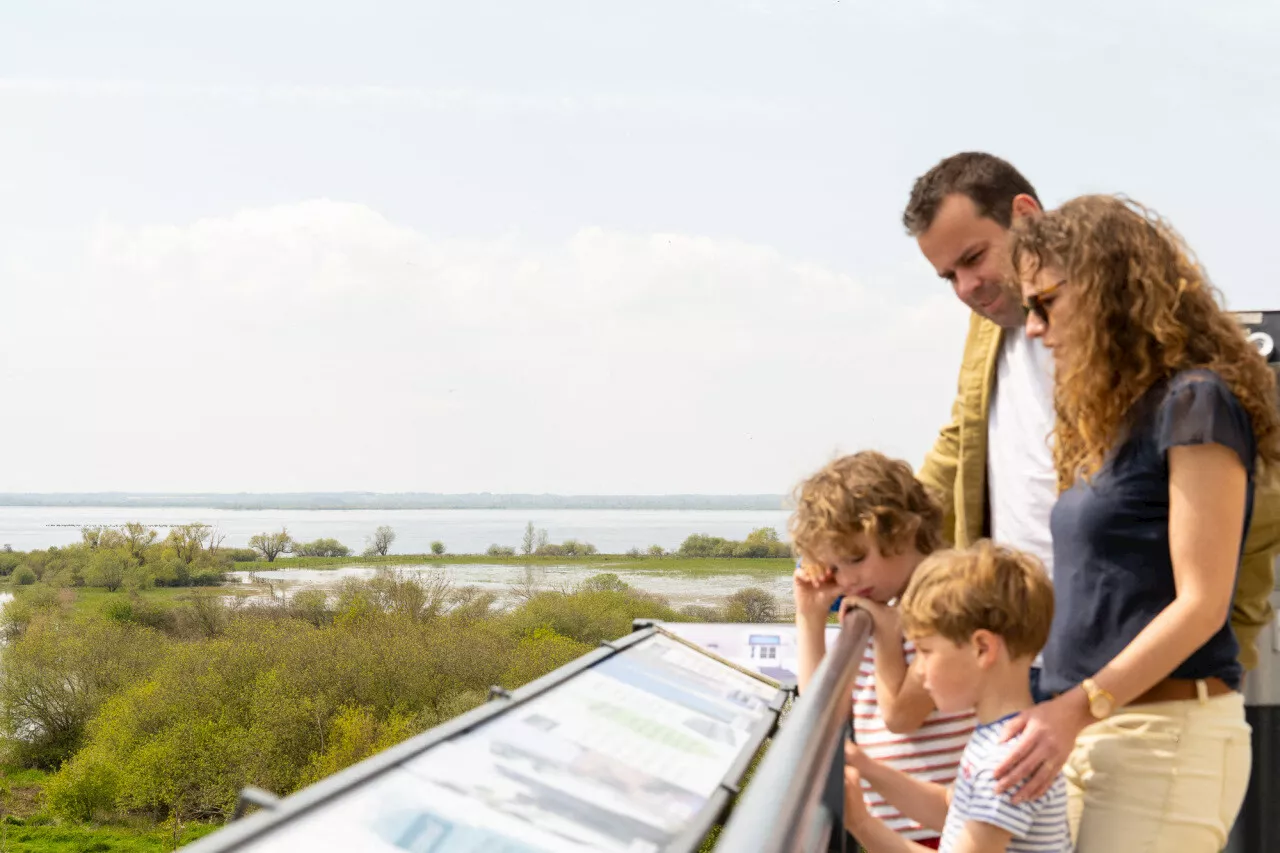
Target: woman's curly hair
[(1143, 309), (864, 497)]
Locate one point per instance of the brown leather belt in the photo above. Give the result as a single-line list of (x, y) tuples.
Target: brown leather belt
[(1179, 689)]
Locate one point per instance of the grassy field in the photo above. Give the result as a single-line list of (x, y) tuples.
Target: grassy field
[(92, 598), (26, 826), (692, 566)]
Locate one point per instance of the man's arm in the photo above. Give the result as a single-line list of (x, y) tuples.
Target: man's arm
[(939, 470), (943, 460), (1251, 604)]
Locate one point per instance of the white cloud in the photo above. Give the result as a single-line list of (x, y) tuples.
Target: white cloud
[(320, 346), (688, 105)]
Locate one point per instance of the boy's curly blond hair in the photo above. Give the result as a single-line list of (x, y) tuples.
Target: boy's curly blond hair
[(986, 587), (860, 497)]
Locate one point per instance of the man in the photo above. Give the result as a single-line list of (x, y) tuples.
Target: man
[(992, 464)]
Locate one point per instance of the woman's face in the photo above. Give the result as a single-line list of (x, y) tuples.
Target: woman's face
[(1048, 299)]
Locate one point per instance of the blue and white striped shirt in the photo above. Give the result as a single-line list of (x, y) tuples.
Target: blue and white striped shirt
[(1039, 826)]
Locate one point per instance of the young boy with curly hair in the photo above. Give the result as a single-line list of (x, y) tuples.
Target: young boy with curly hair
[(978, 619), (862, 525)]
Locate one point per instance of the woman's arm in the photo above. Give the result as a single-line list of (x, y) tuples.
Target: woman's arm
[(1207, 492)]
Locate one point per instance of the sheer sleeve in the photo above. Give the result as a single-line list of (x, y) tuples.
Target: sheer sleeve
[(1199, 408)]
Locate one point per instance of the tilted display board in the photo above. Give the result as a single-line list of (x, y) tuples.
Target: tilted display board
[(636, 747)]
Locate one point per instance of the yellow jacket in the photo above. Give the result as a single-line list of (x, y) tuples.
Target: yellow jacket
[(957, 468)]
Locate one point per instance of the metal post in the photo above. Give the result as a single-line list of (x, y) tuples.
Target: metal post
[(1257, 829), (788, 806)]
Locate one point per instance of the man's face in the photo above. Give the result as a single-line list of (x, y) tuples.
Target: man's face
[(971, 251)]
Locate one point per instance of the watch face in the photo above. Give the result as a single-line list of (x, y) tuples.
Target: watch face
[(1100, 706)]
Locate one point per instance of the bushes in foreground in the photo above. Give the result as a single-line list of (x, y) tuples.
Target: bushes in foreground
[(167, 712)]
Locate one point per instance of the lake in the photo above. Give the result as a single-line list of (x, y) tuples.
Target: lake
[(679, 589), (463, 531)]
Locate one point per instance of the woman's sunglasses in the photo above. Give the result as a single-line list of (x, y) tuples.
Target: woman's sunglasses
[(1037, 304)]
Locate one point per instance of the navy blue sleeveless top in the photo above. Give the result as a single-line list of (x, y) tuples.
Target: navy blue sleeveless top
[(1112, 571)]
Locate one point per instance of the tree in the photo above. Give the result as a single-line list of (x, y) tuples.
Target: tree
[(702, 545), (751, 604), (107, 569), (530, 541), (656, 551), (188, 540), (271, 545), (137, 537), (321, 548), (437, 548), (543, 539), (381, 541)]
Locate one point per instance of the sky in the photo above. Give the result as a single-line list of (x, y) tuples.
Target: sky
[(567, 247)]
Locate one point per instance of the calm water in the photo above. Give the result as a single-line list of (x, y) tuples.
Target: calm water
[(463, 531), (502, 580)]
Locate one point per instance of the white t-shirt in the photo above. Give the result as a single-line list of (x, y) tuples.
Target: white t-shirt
[(1038, 826), (1021, 481)]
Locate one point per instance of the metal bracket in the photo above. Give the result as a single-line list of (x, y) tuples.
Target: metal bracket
[(253, 796)]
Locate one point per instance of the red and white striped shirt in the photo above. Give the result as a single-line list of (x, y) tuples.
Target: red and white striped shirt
[(932, 752)]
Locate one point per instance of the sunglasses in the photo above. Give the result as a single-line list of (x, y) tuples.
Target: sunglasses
[(1037, 304)]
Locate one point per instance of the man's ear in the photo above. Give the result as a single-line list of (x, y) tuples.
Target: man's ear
[(1025, 205)]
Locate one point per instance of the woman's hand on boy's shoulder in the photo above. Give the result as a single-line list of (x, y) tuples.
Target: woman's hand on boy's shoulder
[(887, 625), (813, 597)]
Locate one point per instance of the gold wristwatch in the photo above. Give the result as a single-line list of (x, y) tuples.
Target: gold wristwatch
[(1101, 702)]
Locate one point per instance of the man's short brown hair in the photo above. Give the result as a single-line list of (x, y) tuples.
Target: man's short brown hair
[(991, 183), (867, 495), (986, 587)]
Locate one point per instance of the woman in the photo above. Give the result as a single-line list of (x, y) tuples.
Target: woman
[(1166, 417)]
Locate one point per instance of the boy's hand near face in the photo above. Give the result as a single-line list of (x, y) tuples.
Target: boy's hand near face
[(814, 597)]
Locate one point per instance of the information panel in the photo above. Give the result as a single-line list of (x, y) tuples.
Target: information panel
[(766, 648), (626, 754)]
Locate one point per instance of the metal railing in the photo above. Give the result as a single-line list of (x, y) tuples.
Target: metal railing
[(795, 799)]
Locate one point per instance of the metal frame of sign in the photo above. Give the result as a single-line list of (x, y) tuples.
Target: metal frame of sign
[(275, 813)]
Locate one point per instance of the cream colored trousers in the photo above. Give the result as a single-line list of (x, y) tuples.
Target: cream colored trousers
[(1167, 776)]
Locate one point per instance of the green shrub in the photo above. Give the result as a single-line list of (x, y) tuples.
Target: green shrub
[(24, 576), (751, 604), (57, 675), (85, 789)]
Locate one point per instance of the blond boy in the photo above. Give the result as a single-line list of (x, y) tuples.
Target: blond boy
[(862, 525), (978, 618)]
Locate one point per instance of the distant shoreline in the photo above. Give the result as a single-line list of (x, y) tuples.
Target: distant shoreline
[(297, 501)]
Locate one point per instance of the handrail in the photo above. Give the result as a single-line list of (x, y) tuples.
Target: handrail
[(794, 801)]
